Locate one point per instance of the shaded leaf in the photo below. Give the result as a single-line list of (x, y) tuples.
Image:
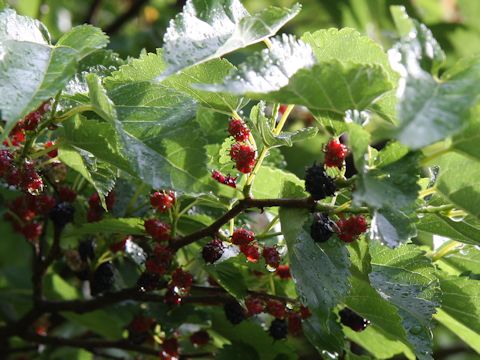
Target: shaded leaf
[(392, 226), (321, 274), (406, 278), (430, 110), (127, 226), (229, 277), (98, 173), (461, 302)]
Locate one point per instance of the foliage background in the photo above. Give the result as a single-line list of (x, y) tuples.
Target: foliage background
[(138, 25)]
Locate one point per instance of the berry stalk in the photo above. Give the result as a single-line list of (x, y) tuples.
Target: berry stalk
[(264, 153)]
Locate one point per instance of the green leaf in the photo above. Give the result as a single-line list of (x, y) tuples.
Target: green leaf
[(237, 351), (85, 39), (366, 301), (163, 145), (458, 181), (265, 188), (126, 226), (467, 230), (417, 39), (323, 337), (205, 31), (33, 71), (229, 277), (149, 66), (320, 271), (99, 322), (461, 302), (288, 73), (469, 336), (430, 110), (358, 141), (378, 344), (98, 138), (407, 279), (393, 186), (102, 105), (96, 172), (392, 226), (250, 333), (465, 260), (347, 45)]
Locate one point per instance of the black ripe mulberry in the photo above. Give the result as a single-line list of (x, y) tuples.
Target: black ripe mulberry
[(318, 183), (103, 279), (322, 228), (234, 312), (62, 214), (212, 251), (353, 320), (278, 329)]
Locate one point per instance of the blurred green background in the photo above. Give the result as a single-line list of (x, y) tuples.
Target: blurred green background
[(134, 25)]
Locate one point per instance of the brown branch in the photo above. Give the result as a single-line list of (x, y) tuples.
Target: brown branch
[(248, 203), (92, 10), (99, 302), (88, 344), (125, 17), (217, 291)]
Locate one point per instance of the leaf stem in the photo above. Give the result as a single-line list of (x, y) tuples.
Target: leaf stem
[(428, 191), (446, 249), (264, 236), (74, 111), (434, 209), (268, 43), (134, 199), (283, 120)]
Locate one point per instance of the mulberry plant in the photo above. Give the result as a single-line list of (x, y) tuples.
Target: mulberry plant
[(151, 208)]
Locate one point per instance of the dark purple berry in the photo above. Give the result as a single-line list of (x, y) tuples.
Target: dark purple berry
[(318, 183), (62, 214), (103, 279), (212, 251), (234, 312), (86, 249), (353, 320), (149, 281), (322, 228), (278, 329)]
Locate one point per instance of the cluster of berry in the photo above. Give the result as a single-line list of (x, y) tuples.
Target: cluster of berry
[(170, 346), (320, 185), (178, 287), (285, 320), (347, 229), (245, 240), (140, 330), (95, 210), (224, 179), (29, 123), (23, 176), (241, 152), (163, 200), (24, 212)]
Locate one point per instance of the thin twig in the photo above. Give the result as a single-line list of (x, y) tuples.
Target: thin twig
[(125, 17), (92, 11)]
